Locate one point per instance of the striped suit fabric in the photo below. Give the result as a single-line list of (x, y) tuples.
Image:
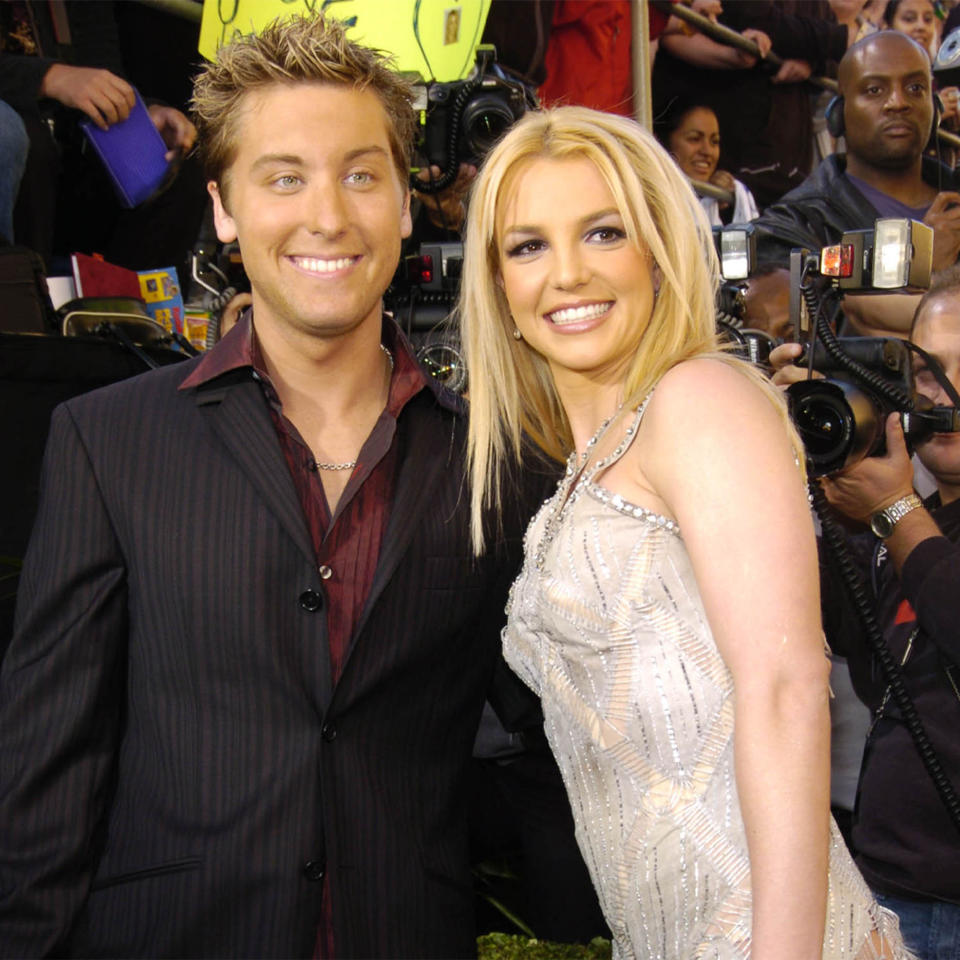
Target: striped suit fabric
[(177, 772)]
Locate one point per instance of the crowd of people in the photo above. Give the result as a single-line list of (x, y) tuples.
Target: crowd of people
[(254, 645)]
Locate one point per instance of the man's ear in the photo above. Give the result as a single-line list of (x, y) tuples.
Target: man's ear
[(226, 228), (406, 221)]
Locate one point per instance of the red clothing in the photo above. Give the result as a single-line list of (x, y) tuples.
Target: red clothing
[(588, 56)]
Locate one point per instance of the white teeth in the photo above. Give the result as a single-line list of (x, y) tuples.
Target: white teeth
[(573, 314), (322, 266)]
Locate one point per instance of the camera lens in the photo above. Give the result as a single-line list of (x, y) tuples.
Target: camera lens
[(838, 423), (485, 119)]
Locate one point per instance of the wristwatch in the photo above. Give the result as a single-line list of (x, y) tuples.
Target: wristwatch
[(883, 522)]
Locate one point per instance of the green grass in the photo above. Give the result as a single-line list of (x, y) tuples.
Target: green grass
[(506, 946)]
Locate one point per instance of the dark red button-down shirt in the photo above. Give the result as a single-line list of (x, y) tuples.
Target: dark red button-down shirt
[(346, 542)]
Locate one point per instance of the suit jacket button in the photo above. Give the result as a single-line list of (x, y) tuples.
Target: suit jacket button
[(329, 731), (314, 870), (311, 601)]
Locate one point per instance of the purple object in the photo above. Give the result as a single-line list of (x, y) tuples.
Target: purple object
[(133, 153)]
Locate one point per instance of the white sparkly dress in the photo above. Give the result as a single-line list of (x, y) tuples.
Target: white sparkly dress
[(607, 626)]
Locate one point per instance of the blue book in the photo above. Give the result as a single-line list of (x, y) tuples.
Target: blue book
[(133, 153)]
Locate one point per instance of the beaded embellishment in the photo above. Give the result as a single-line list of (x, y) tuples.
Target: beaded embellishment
[(575, 481), (633, 510)]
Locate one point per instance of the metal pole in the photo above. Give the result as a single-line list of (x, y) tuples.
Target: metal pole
[(640, 59), (186, 9)]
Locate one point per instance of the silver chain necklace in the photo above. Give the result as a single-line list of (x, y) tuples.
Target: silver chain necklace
[(350, 464)]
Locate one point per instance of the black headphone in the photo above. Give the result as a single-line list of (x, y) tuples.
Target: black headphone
[(835, 125)]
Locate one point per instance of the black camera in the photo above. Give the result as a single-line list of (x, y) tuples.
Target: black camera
[(425, 287), (463, 119), (841, 417), (421, 298)]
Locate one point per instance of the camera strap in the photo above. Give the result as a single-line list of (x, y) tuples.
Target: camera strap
[(935, 367)]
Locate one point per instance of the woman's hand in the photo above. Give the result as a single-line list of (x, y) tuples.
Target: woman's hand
[(724, 180), (760, 39)]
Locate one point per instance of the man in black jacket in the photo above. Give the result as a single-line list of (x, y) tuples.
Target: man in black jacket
[(887, 112), (906, 844)]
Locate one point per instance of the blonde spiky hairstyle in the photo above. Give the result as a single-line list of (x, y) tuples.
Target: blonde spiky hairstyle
[(287, 52), (512, 394)]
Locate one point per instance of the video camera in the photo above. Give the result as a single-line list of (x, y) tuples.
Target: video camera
[(841, 415), (463, 119)]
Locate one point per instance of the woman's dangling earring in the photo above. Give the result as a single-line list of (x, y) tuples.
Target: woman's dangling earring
[(517, 335)]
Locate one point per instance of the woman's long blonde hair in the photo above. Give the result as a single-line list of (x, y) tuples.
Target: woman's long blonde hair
[(512, 393)]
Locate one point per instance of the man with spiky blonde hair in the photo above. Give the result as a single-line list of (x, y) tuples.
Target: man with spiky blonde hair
[(252, 646)]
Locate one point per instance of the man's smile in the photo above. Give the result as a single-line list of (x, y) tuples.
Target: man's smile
[(322, 265)]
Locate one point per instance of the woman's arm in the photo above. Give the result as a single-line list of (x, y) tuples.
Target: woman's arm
[(718, 454)]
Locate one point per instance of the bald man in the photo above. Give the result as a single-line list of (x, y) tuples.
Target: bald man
[(887, 108)]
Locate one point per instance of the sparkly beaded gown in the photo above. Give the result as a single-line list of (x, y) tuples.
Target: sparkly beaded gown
[(607, 626)]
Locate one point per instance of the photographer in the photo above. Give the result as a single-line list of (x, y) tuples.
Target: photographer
[(906, 845), (886, 112)]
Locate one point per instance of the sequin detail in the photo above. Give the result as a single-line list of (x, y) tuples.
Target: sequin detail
[(607, 626)]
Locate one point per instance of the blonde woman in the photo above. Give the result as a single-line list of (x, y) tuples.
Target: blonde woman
[(667, 613)]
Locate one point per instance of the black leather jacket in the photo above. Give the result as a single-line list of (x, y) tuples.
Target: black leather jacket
[(826, 204)]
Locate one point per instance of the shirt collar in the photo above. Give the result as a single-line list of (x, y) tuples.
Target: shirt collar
[(238, 350)]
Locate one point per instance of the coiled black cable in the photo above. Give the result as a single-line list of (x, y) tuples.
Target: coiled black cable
[(216, 314), (453, 134), (852, 580), (900, 399), (859, 594)]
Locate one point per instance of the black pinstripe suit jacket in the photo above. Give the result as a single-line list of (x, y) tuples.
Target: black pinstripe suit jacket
[(176, 769)]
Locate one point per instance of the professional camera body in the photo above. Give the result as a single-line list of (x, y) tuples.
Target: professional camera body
[(841, 415), (421, 298), (463, 119)]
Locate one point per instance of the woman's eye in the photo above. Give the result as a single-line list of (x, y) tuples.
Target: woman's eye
[(525, 248), (607, 234)]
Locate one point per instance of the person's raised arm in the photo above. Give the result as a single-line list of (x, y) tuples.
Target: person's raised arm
[(719, 455)]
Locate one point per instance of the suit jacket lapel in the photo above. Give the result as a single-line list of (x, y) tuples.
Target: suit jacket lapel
[(426, 442), (239, 416)]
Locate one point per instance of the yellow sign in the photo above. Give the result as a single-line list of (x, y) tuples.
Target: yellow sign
[(437, 39)]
